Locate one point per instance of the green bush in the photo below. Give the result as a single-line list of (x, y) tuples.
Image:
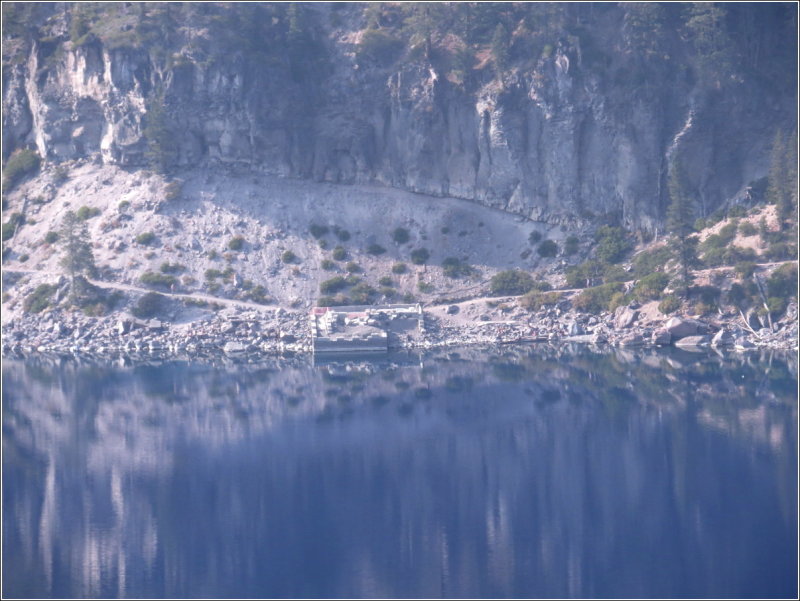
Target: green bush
[(386, 281), (708, 296), (288, 256), (425, 287), (581, 276), (781, 251), (375, 249), (699, 224), (38, 300), (650, 286), (123, 206), (146, 238), (738, 296), (173, 190), (211, 274), (332, 285), (339, 253), (455, 268), (236, 243), (783, 282), (596, 299), (23, 258), (510, 282), (362, 293), (10, 226), (547, 249), (85, 212), (612, 244), (51, 236), (648, 261), (669, 304), (776, 305), (745, 269), (151, 278), (400, 235), (535, 300), (420, 256), (747, 229), (571, 245), (399, 268), (167, 267), (342, 234), (352, 267), (327, 265), (318, 231), (534, 237), (149, 305), (22, 162), (378, 46), (388, 292)]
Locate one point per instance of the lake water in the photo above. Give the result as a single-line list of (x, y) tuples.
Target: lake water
[(525, 472)]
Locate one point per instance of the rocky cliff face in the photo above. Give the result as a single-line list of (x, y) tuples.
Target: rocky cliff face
[(559, 139)]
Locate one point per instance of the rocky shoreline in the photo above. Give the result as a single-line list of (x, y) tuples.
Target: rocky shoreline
[(237, 332)]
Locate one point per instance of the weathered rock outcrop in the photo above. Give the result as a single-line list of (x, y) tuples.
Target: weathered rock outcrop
[(558, 140)]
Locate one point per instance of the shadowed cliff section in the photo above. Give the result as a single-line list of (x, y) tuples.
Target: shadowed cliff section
[(546, 111)]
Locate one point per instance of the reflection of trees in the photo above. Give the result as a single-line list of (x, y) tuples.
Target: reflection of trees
[(571, 472)]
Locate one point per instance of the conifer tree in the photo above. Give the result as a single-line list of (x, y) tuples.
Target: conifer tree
[(680, 219), (78, 259)]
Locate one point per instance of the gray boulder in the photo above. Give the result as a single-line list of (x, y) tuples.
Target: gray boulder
[(624, 317), (701, 340), (681, 328), (722, 338), (662, 337), (632, 340)]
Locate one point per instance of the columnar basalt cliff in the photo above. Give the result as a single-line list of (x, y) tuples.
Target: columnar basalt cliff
[(563, 123)]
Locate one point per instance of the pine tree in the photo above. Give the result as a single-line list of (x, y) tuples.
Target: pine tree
[(78, 259), (500, 49), (787, 203), (680, 219), (160, 153)]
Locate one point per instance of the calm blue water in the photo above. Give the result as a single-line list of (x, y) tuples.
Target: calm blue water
[(531, 473)]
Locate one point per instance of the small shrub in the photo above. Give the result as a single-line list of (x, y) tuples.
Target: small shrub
[(596, 299), (699, 224), (151, 278), (123, 206), (535, 300), (145, 238), (332, 285), (236, 243), (188, 280), (388, 292), (401, 235), (342, 234), (455, 268), (318, 231), (258, 294), (547, 249), (10, 226), (375, 249), (362, 293), (352, 267), (425, 287), (327, 265), (648, 261), (650, 286), (85, 212), (173, 190), (172, 268), (781, 251), (386, 281), (612, 244), (399, 268), (38, 300), (22, 162), (669, 304), (419, 256), (534, 237), (23, 257), (212, 274), (783, 282), (149, 305), (510, 282), (776, 305), (745, 269), (747, 229), (339, 253), (571, 245), (409, 298), (288, 256)]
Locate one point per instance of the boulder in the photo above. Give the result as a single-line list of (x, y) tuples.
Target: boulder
[(233, 347), (700, 340), (662, 337), (632, 340), (681, 328), (625, 316), (722, 338), (574, 329)]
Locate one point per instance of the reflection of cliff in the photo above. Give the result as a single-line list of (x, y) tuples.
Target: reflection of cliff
[(562, 475)]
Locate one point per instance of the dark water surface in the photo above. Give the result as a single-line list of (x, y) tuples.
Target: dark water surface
[(529, 472)]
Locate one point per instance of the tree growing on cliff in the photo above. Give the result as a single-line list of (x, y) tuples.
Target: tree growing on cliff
[(782, 178), (680, 223), (160, 153), (78, 259)]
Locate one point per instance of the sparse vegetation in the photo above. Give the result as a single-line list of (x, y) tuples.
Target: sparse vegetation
[(596, 299), (149, 305), (85, 212), (333, 285), (38, 300), (399, 268), (9, 227), (386, 281), (22, 162), (339, 253), (327, 265), (167, 267), (669, 304), (535, 300), (571, 245), (425, 287), (342, 234), (352, 267), (534, 237), (510, 282), (375, 249), (51, 237), (173, 190), (318, 231), (151, 278), (650, 286), (288, 257)]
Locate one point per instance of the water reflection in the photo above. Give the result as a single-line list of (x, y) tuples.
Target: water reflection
[(521, 472)]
